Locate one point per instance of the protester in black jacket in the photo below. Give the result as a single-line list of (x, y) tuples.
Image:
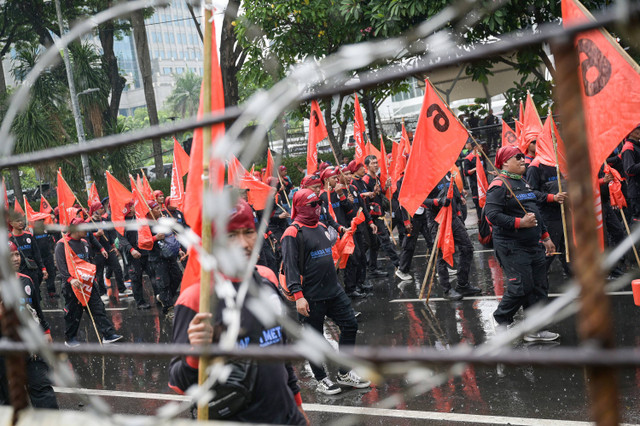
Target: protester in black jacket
[(107, 240), (46, 245), (276, 396), (31, 264), (517, 240), (315, 288), (631, 163)]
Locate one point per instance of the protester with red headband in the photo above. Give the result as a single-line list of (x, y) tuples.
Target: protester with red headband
[(32, 264), (275, 397), (520, 240), (73, 308), (159, 197), (286, 180), (39, 386), (311, 277)]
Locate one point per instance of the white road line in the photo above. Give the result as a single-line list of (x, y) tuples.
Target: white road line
[(62, 310), (362, 411), (441, 299)]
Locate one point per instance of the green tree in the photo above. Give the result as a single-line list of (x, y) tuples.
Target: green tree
[(185, 97)]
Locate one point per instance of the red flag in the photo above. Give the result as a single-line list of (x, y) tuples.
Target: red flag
[(345, 245), (66, 199), (177, 185), (119, 196), (444, 218), (82, 271), (384, 172), (317, 132), (521, 114), (372, 150), (193, 193), (146, 189), (615, 188), (32, 216), (438, 140), (545, 152), (398, 159), (508, 135), (181, 156), (137, 184), (45, 207), (235, 171), (145, 239), (17, 207), (93, 195), (358, 132), (483, 185), (258, 192), (610, 89), (455, 173), (268, 171), (532, 123)]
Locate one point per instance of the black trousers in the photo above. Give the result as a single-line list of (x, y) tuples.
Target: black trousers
[(168, 276), (464, 249), (73, 313), (340, 311), (356, 270), (556, 232), (381, 239), (39, 386), (524, 267), (419, 226), (397, 223), (634, 208), (135, 268), (36, 277), (112, 265), (50, 264)]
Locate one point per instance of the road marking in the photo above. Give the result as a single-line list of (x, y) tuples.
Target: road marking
[(441, 299), (380, 259), (62, 310), (362, 411)]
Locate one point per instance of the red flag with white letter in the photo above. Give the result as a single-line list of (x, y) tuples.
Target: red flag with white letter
[(177, 185), (438, 140), (80, 270), (317, 132)]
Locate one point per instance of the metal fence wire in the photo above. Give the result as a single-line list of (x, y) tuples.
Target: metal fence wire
[(429, 46)]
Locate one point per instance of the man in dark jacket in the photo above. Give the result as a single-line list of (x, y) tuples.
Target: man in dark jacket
[(315, 286), (517, 238), (73, 308), (276, 396), (631, 164), (31, 264)]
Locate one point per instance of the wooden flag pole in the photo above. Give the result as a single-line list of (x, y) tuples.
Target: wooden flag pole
[(284, 191), (431, 257), (495, 169), (205, 275), (562, 210), (626, 225), (433, 275)]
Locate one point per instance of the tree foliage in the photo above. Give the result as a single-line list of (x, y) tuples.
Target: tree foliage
[(185, 96)]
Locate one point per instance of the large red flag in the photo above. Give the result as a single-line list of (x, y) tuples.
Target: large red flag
[(532, 123), (181, 156), (317, 132), (17, 207), (358, 132), (398, 159), (444, 218), (268, 171), (32, 216), (145, 238), (372, 150), (81, 270), (119, 196), (610, 89), (384, 170), (545, 152), (235, 171), (438, 140), (193, 193), (66, 199), (508, 135), (483, 185), (93, 195), (177, 185), (45, 207), (146, 189)]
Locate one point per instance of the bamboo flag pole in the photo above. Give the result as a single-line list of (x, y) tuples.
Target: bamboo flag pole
[(433, 275), (284, 191), (626, 225), (562, 210), (205, 276), (495, 169), (431, 259)]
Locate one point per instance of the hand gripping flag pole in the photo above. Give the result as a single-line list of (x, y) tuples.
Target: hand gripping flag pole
[(562, 210)]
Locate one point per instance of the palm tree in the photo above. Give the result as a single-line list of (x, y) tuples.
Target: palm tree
[(185, 96)]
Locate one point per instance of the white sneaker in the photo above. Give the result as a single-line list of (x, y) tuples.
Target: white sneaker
[(327, 387), (541, 336), (128, 292), (353, 380), (403, 275), (105, 298)]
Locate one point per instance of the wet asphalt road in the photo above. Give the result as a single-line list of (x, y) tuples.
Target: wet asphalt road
[(512, 392)]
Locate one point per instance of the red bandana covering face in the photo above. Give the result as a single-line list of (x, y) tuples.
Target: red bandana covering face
[(302, 212)]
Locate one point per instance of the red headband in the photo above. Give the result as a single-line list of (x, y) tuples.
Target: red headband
[(504, 154)]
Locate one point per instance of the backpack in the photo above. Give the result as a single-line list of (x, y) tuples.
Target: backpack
[(169, 247), (282, 281)]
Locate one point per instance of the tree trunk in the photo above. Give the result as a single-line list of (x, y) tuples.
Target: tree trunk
[(371, 118), (116, 81), (230, 55), (144, 62), (336, 145), (15, 180), (3, 83)]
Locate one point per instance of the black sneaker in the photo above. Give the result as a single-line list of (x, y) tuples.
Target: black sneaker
[(452, 295), (111, 339), (72, 343), (378, 273), (355, 294), (144, 306), (468, 290), (365, 287)]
